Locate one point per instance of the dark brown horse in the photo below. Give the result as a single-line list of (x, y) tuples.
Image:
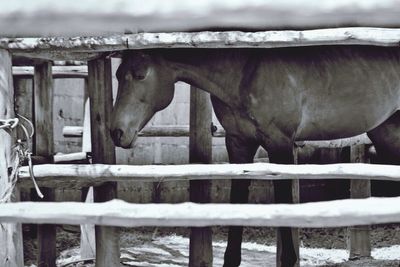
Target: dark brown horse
[(272, 98)]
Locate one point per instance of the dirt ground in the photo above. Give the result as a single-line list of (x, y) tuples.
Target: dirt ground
[(332, 238)]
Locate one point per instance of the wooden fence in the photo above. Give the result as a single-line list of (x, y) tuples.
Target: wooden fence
[(106, 175)]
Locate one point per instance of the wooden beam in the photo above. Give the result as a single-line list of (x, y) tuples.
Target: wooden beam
[(77, 156), (57, 71), (200, 151), (77, 176), (151, 131), (85, 48), (44, 146), (180, 15), (11, 250), (103, 151), (183, 131), (119, 213), (359, 236), (23, 103)]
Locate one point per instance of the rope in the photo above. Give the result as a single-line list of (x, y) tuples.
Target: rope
[(8, 123), (21, 152)]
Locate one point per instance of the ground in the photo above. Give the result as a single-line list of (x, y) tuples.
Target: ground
[(151, 246)]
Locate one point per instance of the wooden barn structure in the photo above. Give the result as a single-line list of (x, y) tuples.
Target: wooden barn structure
[(101, 37)]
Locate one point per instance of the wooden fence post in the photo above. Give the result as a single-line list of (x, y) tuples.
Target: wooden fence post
[(103, 151), (11, 250), (43, 145), (200, 151), (359, 236)]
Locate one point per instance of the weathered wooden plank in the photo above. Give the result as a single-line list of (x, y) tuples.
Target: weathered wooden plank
[(266, 39), (81, 48), (359, 236), (88, 238), (103, 151), (158, 15), (43, 145), (24, 103), (183, 130), (76, 176), (88, 233), (200, 151), (119, 213), (57, 71), (23, 87), (77, 156), (11, 251), (150, 131)]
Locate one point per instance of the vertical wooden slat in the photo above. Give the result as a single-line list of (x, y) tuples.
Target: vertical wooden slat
[(88, 240), (23, 102), (11, 251), (360, 244), (43, 145), (200, 144), (23, 87), (103, 151)]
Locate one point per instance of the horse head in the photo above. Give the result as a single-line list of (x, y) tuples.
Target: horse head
[(145, 86)]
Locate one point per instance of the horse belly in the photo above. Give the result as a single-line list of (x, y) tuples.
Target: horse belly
[(348, 111), (340, 125)]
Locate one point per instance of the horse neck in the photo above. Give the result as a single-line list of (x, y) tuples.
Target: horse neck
[(210, 70)]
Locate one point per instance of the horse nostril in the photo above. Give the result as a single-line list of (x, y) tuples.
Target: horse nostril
[(116, 136)]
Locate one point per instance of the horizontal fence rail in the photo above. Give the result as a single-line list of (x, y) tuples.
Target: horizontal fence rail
[(57, 71), (218, 131), (87, 47), (119, 213), (76, 176)]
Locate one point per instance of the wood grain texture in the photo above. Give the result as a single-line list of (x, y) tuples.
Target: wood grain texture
[(77, 176), (359, 236), (90, 47), (200, 151), (43, 145), (57, 71), (103, 151), (336, 213), (11, 251)]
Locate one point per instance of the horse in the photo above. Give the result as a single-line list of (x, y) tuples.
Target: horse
[(270, 98)]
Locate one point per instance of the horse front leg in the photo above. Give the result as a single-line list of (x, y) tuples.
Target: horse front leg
[(240, 150), (285, 191)]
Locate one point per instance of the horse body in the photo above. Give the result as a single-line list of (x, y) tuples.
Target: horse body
[(270, 97)]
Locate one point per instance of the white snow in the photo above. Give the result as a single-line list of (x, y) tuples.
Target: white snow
[(173, 251)]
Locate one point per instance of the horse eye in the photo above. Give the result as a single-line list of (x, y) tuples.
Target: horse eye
[(140, 77)]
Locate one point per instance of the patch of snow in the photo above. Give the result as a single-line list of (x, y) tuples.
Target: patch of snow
[(386, 253), (151, 250), (173, 251)]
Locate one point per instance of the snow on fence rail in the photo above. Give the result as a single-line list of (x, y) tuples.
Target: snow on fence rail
[(81, 48), (119, 213), (75, 176)]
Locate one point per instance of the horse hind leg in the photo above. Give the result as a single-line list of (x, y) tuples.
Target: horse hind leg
[(386, 139), (240, 150)]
